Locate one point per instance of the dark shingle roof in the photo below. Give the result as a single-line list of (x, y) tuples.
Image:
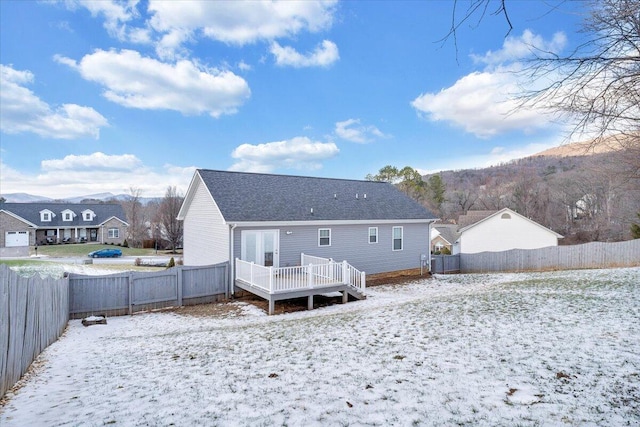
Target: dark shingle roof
[(472, 217), (247, 197), (449, 232), (31, 213)]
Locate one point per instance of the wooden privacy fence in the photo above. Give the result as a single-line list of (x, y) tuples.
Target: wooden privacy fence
[(588, 255), (129, 292), (445, 264), (33, 313)]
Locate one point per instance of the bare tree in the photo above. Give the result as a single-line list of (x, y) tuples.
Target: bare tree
[(171, 229), (598, 84), (135, 217)]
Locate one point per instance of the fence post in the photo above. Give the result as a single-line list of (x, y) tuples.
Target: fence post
[(363, 281), (227, 280), (179, 284), (130, 280), (310, 275), (301, 258)]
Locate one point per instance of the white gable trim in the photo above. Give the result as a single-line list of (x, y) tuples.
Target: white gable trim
[(191, 192), (116, 218)]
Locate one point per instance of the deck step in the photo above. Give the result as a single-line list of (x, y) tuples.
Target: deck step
[(356, 293)]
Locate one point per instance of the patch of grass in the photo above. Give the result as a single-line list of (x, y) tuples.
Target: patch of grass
[(82, 249)]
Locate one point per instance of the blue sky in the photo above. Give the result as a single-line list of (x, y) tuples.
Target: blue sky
[(108, 95)]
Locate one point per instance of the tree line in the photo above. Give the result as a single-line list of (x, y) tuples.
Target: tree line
[(584, 198)]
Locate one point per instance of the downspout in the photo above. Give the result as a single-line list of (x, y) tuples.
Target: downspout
[(232, 260)]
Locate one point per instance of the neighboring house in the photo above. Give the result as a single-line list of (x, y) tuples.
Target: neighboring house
[(271, 219), (496, 231), (443, 236), (29, 224)]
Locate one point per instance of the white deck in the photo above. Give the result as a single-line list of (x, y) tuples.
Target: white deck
[(316, 276)]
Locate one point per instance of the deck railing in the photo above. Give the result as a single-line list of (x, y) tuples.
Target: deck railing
[(318, 273)]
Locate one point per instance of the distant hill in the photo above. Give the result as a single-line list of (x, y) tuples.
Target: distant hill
[(585, 148), (24, 198), (96, 198)]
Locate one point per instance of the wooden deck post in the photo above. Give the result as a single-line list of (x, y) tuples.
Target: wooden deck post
[(272, 305), (345, 297), (310, 303)]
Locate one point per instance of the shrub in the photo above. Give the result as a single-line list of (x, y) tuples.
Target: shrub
[(171, 263), (138, 262), (125, 244)]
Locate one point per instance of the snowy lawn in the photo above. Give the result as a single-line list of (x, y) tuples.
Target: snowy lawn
[(560, 348)]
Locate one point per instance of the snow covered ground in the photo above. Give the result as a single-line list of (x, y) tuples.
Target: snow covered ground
[(560, 348)]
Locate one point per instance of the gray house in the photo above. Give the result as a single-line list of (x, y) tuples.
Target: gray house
[(29, 224), (270, 221)]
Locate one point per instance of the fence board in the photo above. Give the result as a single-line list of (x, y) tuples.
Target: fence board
[(588, 255), (33, 313)]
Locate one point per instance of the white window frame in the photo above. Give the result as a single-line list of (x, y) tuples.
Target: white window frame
[(88, 215), (393, 238), (113, 233), (46, 215), (320, 237), (369, 236)]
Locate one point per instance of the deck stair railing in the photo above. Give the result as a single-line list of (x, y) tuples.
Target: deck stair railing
[(315, 272)]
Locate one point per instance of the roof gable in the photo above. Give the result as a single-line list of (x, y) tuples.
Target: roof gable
[(252, 197)]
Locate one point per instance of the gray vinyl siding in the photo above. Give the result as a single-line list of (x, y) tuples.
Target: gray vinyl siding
[(206, 235), (351, 243)]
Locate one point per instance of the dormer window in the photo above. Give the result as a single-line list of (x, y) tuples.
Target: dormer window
[(46, 215), (68, 215), (88, 215)]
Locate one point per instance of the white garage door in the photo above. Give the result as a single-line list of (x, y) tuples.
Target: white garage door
[(16, 238)]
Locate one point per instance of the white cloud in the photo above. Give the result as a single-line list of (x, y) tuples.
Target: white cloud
[(516, 48), (172, 24), (323, 56), (295, 153), (242, 22), (145, 83), (78, 175), (353, 131), (482, 103), (485, 102), (243, 66), (96, 162), (115, 13), (22, 111)]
